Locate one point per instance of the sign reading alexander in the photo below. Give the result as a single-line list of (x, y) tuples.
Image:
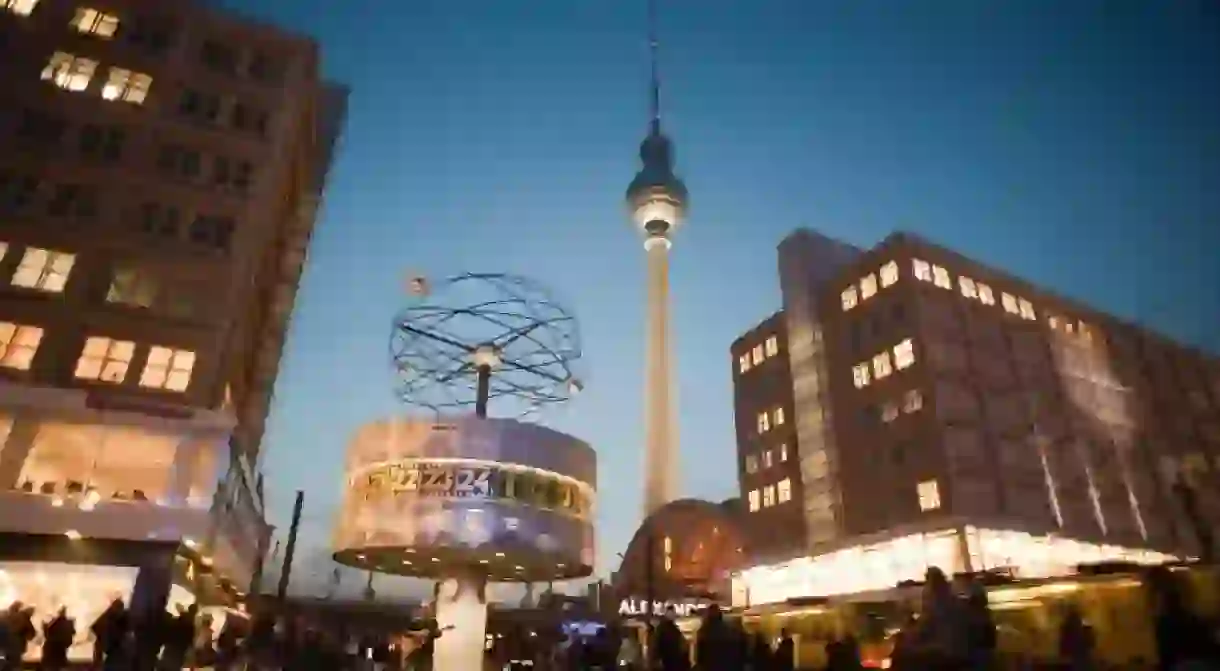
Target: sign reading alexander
[(422, 478), (633, 607)]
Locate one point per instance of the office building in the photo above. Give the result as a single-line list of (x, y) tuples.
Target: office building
[(161, 166), (971, 420)]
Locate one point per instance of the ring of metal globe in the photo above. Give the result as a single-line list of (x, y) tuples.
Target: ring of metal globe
[(506, 322)]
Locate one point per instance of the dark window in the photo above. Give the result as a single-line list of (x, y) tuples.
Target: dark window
[(249, 119), (199, 106), (17, 192), (152, 35), (73, 200), (179, 161), (232, 174), (264, 70), (218, 57), (41, 128), (160, 220), (214, 231), (101, 142)]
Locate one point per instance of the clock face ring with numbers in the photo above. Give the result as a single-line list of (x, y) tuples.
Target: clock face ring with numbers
[(511, 500)]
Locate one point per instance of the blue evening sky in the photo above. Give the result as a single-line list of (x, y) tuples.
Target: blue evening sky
[(1076, 143)]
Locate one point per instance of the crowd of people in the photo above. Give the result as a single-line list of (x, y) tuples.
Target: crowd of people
[(951, 629)]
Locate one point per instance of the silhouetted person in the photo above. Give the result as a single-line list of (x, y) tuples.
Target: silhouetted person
[(669, 644), (1183, 640), (20, 630), (760, 653), (1076, 641), (785, 653), (57, 636), (980, 627), (714, 644), (110, 635)]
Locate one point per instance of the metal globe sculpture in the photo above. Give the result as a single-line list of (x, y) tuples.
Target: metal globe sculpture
[(474, 338), (460, 497)]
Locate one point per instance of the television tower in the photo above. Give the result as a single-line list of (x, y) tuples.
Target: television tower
[(657, 200)]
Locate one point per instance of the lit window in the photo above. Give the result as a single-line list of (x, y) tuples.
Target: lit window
[(849, 298), (929, 495), (779, 416), (751, 463), (889, 274), (758, 354), (1085, 330), (881, 365), (3, 250), (168, 369), (783, 452), (766, 460), (105, 359), (969, 288), (69, 72), (772, 346), (764, 422), (784, 490), (1053, 322), (868, 287), (93, 22), (126, 86), (668, 545), (986, 297), (940, 277), (889, 412), (1010, 303), (860, 374), (904, 354), (912, 401), (132, 287), (1027, 310), (43, 269), (18, 343), (923, 270), (753, 497), (1069, 327), (768, 496), (19, 7), (743, 363)]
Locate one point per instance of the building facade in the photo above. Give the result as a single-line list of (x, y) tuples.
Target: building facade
[(768, 454), (160, 171), (982, 422)]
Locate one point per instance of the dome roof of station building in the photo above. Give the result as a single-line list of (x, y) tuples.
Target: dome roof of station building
[(696, 546)]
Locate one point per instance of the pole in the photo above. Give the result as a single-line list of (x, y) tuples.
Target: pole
[(649, 597), (256, 579), (483, 391), (286, 571)]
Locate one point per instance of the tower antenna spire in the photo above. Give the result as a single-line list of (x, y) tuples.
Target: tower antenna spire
[(654, 45)]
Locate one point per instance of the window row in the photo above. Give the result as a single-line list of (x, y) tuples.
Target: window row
[(765, 421), (912, 402), (973, 289), (869, 285), (157, 36), (770, 495), (102, 359), (65, 201), (768, 458), (882, 365), (758, 354), (186, 163), (214, 109), (75, 73), (43, 131), (131, 286)]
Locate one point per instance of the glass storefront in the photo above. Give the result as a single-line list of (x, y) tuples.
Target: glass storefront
[(83, 589)]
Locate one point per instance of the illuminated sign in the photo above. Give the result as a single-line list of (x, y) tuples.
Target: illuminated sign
[(426, 479), (631, 607)]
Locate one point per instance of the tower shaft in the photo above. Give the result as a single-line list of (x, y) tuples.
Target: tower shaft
[(660, 475)]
